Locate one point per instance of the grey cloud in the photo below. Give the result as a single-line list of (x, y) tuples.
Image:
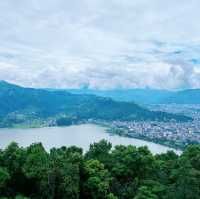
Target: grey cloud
[(100, 43)]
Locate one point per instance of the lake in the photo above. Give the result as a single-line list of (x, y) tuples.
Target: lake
[(78, 135)]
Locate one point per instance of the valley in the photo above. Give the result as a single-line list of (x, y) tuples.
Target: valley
[(31, 107), (172, 125)]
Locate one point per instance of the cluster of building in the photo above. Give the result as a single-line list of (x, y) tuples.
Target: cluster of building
[(191, 110), (175, 134), (179, 134)]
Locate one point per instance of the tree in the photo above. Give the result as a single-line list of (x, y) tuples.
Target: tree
[(100, 151), (4, 178), (64, 176), (96, 180), (126, 172), (186, 183), (111, 196), (21, 197), (192, 155), (36, 168), (130, 163), (13, 158)]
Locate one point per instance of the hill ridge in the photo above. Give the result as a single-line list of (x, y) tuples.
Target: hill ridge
[(18, 104)]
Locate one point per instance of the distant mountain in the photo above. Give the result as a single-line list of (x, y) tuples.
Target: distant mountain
[(18, 103), (190, 96), (146, 96), (139, 96)]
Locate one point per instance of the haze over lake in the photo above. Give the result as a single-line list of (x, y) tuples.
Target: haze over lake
[(78, 135)]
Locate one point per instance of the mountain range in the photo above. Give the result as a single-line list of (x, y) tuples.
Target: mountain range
[(19, 104), (146, 96)]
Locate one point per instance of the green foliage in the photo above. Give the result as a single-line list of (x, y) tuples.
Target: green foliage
[(21, 197), (100, 151), (111, 196), (97, 180), (145, 193), (4, 178), (64, 176), (17, 197), (125, 172), (36, 168), (13, 158)]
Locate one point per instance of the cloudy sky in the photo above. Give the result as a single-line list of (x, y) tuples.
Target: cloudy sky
[(101, 44)]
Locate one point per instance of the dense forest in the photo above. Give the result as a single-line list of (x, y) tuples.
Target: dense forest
[(103, 172)]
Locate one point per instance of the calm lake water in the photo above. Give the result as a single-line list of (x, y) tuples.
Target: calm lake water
[(79, 135)]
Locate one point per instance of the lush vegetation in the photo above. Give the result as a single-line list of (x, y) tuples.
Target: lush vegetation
[(125, 172), (21, 106)]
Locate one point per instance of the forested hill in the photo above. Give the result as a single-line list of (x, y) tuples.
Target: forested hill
[(126, 172), (18, 103)]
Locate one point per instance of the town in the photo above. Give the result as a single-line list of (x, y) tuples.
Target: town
[(174, 134)]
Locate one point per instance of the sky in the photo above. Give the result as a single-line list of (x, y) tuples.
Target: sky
[(100, 44)]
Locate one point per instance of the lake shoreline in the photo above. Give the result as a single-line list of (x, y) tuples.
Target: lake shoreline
[(56, 136), (148, 140)]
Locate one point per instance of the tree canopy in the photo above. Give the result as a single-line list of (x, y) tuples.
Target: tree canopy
[(103, 172)]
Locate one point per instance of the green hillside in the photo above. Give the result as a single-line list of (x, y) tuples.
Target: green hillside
[(17, 104)]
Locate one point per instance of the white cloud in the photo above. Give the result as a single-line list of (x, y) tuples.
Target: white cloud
[(100, 43)]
